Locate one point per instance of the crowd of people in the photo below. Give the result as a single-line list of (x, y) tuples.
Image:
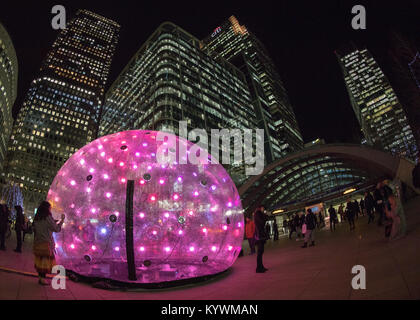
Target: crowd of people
[(384, 205)]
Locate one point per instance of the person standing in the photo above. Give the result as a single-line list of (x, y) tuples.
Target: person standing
[(310, 222), (44, 246), (4, 221), (350, 212), (395, 212), (356, 209), (250, 234), (333, 217), (381, 194), (275, 231), (369, 205), (261, 237), (341, 211), (362, 206), (20, 221), (292, 225)]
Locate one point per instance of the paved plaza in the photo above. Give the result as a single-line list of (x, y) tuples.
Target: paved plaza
[(320, 272)]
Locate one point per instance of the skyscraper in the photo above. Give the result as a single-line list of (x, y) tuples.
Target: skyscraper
[(170, 79), (377, 108), (404, 67), (238, 45), (8, 89), (61, 111)]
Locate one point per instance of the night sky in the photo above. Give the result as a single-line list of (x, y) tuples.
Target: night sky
[(301, 37)]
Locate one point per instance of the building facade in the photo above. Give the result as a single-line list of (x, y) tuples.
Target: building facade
[(8, 89), (170, 79), (404, 67), (235, 43), (381, 116), (60, 113)]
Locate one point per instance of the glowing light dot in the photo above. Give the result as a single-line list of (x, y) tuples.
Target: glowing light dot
[(135, 166), (82, 161), (72, 182), (191, 212), (72, 206), (93, 248), (141, 248), (194, 174), (88, 189), (180, 232), (141, 215), (56, 199), (72, 246), (213, 187), (123, 180), (121, 164), (204, 230), (100, 147), (239, 224), (230, 248), (142, 181), (117, 213), (102, 154), (117, 248), (192, 249), (110, 160), (229, 204), (196, 193), (144, 144), (106, 176), (152, 198), (123, 142), (167, 249), (108, 195), (91, 170), (179, 179), (213, 248), (166, 215), (93, 210), (154, 232), (103, 230), (161, 181), (176, 197), (225, 227)]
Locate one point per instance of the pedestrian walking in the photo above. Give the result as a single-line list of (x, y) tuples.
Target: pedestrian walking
[(261, 237), (44, 246), (250, 234), (310, 223), (341, 212), (19, 226)]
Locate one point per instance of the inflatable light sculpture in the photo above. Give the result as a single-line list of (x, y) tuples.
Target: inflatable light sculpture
[(132, 218)]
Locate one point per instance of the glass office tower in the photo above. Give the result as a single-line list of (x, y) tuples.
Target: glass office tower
[(377, 108), (170, 79), (60, 113), (238, 45), (8, 89)]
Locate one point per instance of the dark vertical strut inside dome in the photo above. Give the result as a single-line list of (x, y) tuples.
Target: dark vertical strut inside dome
[(129, 230)]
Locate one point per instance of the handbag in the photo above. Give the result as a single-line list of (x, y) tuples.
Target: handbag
[(304, 228)]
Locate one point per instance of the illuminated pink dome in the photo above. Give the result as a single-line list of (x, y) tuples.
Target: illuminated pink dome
[(131, 218)]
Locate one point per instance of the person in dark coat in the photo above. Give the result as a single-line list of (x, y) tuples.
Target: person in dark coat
[(4, 220), (261, 237), (369, 205), (20, 220), (333, 217), (275, 231), (350, 213), (356, 209), (381, 194), (362, 206), (292, 225), (310, 221)]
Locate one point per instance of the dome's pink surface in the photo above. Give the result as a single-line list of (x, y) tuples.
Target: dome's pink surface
[(187, 218)]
